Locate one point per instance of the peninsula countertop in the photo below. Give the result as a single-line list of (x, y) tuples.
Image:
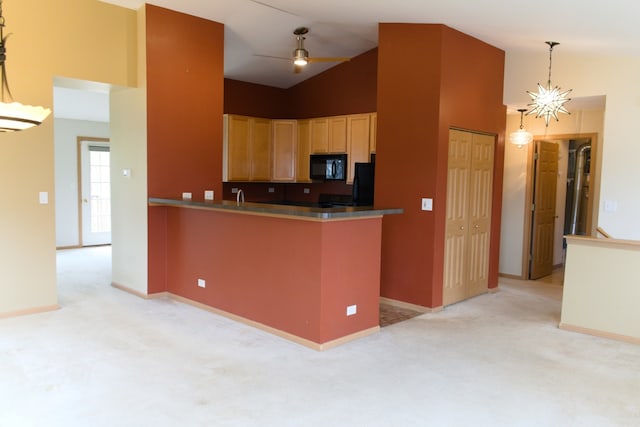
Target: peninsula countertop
[(261, 208)]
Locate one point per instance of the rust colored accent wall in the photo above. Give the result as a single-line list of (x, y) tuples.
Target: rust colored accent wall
[(184, 118), (454, 81), (184, 103), (250, 99), (287, 274), (347, 88)]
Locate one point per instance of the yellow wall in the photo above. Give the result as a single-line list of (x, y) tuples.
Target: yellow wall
[(81, 39), (601, 293)]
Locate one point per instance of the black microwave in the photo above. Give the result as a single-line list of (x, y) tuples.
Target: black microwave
[(328, 167)]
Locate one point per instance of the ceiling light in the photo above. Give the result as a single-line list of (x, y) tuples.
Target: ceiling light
[(549, 101), (13, 115), (521, 137), (300, 57)]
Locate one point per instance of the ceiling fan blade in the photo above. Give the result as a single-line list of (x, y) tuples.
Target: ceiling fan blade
[(330, 59), (272, 57)]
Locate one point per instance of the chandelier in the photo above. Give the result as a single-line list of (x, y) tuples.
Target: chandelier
[(549, 101), (13, 115), (521, 137)]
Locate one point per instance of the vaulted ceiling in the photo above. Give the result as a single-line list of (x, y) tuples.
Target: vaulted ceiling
[(259, 38)]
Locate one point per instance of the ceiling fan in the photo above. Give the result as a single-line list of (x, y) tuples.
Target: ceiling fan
[(301, 55)]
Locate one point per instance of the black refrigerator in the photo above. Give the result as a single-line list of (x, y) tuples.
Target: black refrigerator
[(363, 182)]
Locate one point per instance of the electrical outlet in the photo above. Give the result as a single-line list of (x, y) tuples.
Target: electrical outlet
[(306, 191), (208, 194), (234, 190), (271, 190), (427, 204), (352, 309), (186, 196), (202, 283)]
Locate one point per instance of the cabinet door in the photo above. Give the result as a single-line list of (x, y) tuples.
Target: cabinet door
[(304, 149), (284, 150), (260, 149), (373, 132), (319, 135), (358, 126), (236, 148), (338, 134)]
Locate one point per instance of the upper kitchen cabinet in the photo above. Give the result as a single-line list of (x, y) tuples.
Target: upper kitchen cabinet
[(358, 137), (373, 128), (246, 148), (304, 150), (319, 134), (260, 154), (338, 134), (236, 148), (329, 134), (284, 148)]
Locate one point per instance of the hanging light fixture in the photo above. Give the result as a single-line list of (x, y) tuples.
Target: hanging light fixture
[(549, 101), (300, 55), (13, 115), (521, 137)]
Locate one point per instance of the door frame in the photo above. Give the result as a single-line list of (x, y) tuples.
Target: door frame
[(592, 211), (79, 141)]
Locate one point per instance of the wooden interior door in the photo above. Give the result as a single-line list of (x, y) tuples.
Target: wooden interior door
[(544, 209), (457, 218), (468, 215), (480, 213)]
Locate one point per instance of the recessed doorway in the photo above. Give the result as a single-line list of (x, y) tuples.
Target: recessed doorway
[(560, 194)]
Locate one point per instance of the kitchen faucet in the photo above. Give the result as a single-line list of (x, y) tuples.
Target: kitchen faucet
[(239, 196)]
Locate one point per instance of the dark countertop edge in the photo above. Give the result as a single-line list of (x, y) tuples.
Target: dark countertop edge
[(286, 210)]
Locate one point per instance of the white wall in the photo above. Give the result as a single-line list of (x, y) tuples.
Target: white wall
[(618, 147), (65, 136), (129, 194), (129, 255), (515, 178), (616, 77)]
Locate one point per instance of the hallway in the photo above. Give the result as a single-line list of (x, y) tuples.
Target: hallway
[(107, 358)]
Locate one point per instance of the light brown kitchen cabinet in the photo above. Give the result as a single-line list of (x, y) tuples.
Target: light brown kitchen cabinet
[(260, 150), (284, 149), (373, 129), (236, 148), (246, 148), (304, 150), (319, 133), (338, 134), (358, 129)]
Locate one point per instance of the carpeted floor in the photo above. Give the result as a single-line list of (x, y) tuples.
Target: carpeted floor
[(108, 358)]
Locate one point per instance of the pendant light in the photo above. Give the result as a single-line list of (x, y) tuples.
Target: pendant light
[(521, 137), (549, 101), (13, 115)]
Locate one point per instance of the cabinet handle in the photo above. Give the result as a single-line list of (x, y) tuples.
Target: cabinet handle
[(476, 226), (462, 227)]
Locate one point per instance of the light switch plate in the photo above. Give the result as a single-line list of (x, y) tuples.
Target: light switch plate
[(427, 204), (43, 197)]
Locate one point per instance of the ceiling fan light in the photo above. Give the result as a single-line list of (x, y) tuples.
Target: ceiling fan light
[(300, 57)]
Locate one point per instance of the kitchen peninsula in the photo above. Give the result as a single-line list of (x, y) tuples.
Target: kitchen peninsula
[(308, 274)]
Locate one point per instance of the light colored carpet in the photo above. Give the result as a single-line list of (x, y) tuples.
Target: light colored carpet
[(108, 358)]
